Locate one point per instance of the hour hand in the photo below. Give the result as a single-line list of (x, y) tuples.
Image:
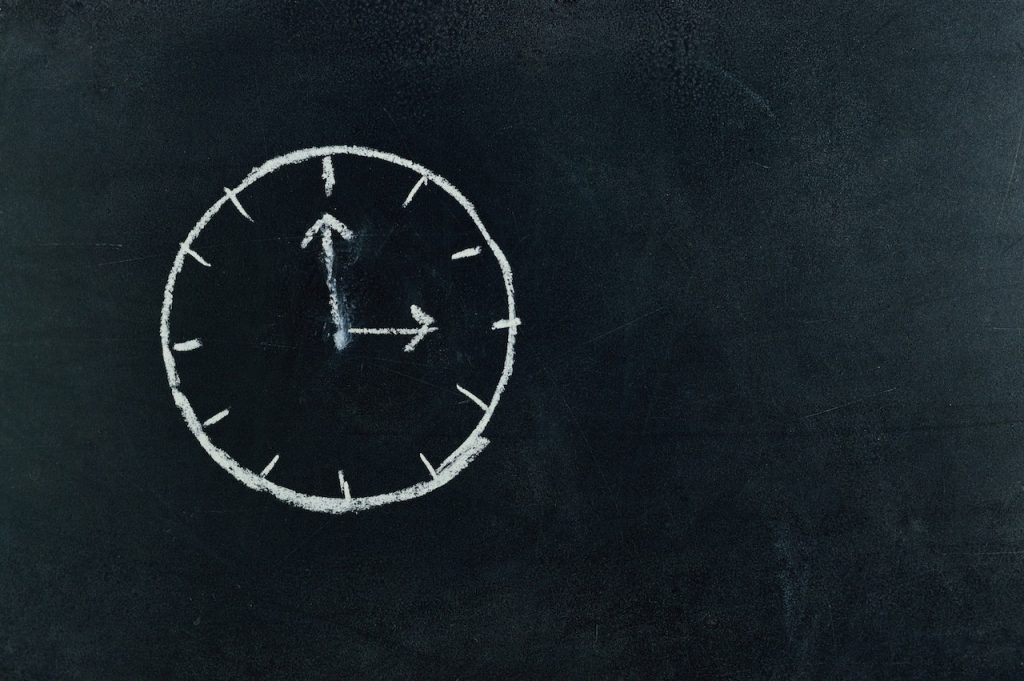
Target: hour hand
[(418, 333)]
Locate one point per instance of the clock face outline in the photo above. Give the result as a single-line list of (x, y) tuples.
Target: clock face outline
[(329, 228)]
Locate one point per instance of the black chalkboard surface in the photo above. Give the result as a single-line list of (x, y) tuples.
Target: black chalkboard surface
[(763, 403)]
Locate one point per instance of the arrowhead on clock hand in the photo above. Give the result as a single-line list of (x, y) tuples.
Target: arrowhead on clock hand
[(325, 225), (425, 321), (420, 316)]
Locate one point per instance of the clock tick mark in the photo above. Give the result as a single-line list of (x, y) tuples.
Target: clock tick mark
[(344, 485), (328, 176), (188, 345), (270, 466), (415, 188), (433, 473), (506, 323), (219, 416), (480, 403), (199, 258), (466, 253), (234, 199)]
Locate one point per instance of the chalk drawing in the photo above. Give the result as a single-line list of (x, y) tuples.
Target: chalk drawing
[(415, 188), (233, 195), (328, 176), (270, 466), (467, 253), (480, 403), (219, 416), (327, 228), (344, 485), (418, 333), (202, 261), (433, 473), (506, 323), (188, 345)]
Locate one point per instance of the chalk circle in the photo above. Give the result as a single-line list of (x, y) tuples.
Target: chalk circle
[(453, 464)]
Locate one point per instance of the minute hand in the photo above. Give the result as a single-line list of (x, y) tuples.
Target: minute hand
[(417, 333), (324, 227)]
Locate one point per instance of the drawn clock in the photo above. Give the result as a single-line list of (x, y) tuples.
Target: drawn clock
[(338, 329)]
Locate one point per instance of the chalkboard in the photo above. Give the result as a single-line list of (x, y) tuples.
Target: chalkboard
[(539, 340)]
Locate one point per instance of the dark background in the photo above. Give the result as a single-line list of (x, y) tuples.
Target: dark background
[(765, 421)]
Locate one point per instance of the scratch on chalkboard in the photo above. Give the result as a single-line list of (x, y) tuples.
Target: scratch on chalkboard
[(848, 404), (98, 244), (626, 324), (758, 99), (1013, 173)]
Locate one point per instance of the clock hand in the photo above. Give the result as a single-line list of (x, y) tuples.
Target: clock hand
[(324, 227), (418, 333)]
